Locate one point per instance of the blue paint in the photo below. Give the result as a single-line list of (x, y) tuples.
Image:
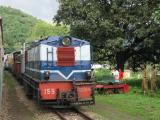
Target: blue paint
[(56, 41), (44, 65)]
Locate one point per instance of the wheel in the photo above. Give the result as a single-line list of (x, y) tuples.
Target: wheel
[(21, 81), (38, 98), (28, 91), (120, 90), (109, 91), (101, 91), (116, 90)]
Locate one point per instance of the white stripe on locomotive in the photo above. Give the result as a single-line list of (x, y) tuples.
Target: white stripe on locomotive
[(57, 71), (39, 53)]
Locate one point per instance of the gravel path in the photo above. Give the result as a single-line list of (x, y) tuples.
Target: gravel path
[(4, 111)]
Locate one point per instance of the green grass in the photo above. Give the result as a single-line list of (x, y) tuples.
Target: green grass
[(134, 104), (103, 75), (8, 80), (144, 107)]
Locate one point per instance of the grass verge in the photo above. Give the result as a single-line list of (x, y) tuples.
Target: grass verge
[(131, 106)]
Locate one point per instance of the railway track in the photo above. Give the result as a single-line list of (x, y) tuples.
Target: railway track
[(72, 114)]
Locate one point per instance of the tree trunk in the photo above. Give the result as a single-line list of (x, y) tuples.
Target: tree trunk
[(121, 58)]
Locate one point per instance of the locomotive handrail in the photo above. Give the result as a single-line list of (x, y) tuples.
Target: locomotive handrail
[(1, 61)]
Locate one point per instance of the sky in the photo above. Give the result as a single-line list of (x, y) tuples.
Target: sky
[(42, 9)]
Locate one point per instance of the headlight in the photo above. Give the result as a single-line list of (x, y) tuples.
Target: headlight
[(46, 75), (66, 41), (88, 74)]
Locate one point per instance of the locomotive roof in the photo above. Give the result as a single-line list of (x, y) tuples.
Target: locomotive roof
[(55, 41)]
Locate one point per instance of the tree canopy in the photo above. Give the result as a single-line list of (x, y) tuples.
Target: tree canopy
[(119, 30), (43, 29)]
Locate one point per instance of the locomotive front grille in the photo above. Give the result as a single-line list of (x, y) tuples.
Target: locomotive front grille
[(65, 56)]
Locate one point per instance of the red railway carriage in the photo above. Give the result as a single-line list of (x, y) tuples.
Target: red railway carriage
[(16, 68)]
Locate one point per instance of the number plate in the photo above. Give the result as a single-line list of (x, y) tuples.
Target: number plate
[(47, 91)]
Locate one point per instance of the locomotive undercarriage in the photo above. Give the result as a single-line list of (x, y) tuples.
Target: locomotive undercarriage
[(64, 99)]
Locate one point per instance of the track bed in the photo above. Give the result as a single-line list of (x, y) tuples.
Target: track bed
[(71, 114)]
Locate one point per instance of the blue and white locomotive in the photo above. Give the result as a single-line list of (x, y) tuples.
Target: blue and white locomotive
[(57, 71)]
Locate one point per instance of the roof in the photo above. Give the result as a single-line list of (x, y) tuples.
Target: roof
[(55, 41)]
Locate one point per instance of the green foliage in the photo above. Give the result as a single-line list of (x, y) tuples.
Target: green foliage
[(43, 29), (118, 29), (16, 25), (104, 75), (157, 15), (19, 28)]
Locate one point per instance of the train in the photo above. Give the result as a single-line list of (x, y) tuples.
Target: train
[(56, 71)]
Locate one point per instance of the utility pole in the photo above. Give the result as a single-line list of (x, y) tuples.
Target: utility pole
[(1, 62)]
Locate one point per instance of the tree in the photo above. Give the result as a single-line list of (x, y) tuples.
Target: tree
[(120, 30), (20, 27), (43, 29), (16, 25)]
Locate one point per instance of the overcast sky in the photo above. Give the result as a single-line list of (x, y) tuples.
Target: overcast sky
[(43, 9)]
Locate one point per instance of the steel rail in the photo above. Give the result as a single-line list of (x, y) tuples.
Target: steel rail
[(86, 117), (61, 115)]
